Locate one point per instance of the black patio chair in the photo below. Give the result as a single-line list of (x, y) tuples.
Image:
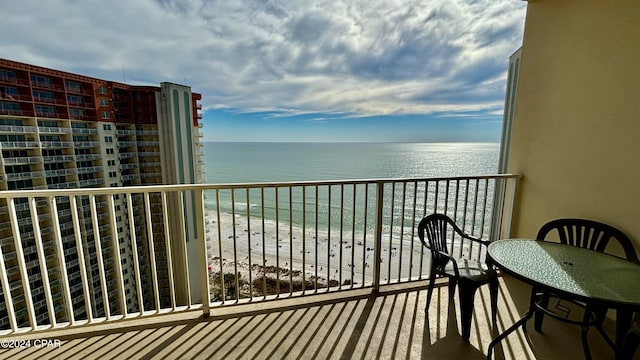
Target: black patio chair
[(465, 271), (587, 234)]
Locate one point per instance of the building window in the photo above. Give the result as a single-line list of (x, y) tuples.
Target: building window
[(42, 96), (72, 85), (108, 139), (40, 81), (106, 127), (8, 92), (8, 75), (45, 110), (74, 99), (15, 122), (102, 90), (105, 114), (109, 151), (104, 102), (10, 107), (76, 113)]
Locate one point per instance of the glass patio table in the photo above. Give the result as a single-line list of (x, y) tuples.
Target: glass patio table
[(572, 272)]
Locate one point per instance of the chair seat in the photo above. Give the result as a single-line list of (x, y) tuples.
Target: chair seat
[(473, 270)]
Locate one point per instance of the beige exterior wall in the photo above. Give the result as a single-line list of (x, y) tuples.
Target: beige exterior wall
[(576, 130)]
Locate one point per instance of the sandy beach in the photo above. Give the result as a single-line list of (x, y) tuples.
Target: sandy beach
[(288, 253)]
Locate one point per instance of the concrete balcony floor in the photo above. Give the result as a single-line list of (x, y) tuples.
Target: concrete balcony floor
[(391, 325)]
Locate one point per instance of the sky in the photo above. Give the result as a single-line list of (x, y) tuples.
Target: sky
[(292, 70)]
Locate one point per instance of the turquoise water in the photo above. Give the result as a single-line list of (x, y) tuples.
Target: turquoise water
[(277, 162), (258, 162)]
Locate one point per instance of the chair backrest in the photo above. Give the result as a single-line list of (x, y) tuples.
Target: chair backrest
[(435, 228), (588, 234)]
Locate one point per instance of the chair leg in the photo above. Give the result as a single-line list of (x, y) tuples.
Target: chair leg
[(600, 315), (584, 331), (467, 293), (432, 281), (493, 290), (539, 316), (452, 288), (630, 345)]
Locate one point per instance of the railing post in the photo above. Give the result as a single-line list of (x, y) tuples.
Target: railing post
[(378, 236), (503, 205), (496, 209), (508, 206), (202, 251)]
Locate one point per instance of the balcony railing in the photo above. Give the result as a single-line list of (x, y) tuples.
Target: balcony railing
[(205, 246), (21, 160), (55, 130), (16, 128), (76, 130), (19, 144)]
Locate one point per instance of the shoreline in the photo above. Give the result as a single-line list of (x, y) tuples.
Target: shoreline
[(286, 253)]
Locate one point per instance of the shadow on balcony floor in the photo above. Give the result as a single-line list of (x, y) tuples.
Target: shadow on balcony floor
[(390, 325)]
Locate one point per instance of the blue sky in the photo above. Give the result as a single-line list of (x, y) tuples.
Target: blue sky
[(292, 70)]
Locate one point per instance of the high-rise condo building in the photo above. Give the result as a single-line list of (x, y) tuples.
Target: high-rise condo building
[(60, 130)]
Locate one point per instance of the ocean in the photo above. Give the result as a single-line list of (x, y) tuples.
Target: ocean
[(233, 162)]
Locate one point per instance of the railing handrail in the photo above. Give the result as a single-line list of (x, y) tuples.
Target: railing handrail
[(220, 186)]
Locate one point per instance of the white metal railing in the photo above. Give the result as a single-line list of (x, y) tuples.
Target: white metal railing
[(245, 242), (19, 144), (77, 130), (54, 130), (56, 144), (17, 128), (21, 160)]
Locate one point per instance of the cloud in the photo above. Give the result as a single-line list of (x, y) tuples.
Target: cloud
[(357, 57)]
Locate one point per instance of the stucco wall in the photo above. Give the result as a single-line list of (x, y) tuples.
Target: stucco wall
[(576, 130)]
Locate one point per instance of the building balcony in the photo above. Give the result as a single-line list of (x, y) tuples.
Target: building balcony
[(17, 129), (84, 131), (48, 100), (125, 144), (25, 175), (81, 117), (359, 324), (89, 169), (16, 97), (344, 304), (147, 132), (85, 157), (20, 144), (64, 185), (130, 166), (61, 172), (14, 80), (54, 130), (15, 112), (79, 90), (91, 182), (47, 85), (48, 114), (86, 144), (21, 160), (125, 132), (56, 144)]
